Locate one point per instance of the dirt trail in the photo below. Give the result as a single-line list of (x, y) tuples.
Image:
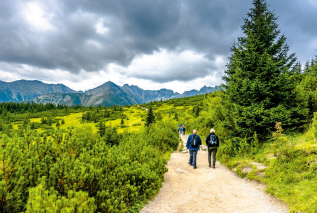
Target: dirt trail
[(208, 190)]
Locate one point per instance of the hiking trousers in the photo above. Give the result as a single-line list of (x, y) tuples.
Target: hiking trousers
[(212, 150), (193, 157)]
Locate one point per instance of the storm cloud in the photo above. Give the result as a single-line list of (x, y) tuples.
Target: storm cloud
[(160, 41)]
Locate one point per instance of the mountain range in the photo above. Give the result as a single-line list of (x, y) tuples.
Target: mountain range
[(106, 94), (24, 90)]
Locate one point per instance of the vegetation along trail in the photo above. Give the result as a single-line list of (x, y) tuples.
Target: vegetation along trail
[(208, 190)]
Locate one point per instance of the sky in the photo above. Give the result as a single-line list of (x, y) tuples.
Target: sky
[(174, 44)]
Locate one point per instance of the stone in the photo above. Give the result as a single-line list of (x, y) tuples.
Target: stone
[(204, 148), (181, 171)]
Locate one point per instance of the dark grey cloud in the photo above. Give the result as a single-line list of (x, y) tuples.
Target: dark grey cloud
[(138, 27)]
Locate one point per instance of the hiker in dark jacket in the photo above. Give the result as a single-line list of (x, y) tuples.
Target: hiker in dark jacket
[(193, 144), (212, 142), (179, 128), (184, 128)]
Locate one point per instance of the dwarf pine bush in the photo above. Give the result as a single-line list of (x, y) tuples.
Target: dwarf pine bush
[(79, 171)]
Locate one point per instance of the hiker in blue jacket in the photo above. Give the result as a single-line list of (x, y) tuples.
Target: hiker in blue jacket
[(183, 128), (193, 144), (179, 128), (212, 142)]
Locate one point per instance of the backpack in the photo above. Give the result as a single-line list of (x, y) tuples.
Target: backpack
[(194, 142), (213, 140)]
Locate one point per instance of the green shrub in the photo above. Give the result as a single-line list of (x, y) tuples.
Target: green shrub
[(226, 149), (136, 124), (114, 173), (41, 199)]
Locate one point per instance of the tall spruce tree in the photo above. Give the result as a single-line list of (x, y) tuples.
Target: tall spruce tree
[(258, 87), (308, 86), (150, 117)]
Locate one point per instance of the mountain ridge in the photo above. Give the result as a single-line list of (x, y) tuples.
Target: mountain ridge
[(23, 90), (106, 94)]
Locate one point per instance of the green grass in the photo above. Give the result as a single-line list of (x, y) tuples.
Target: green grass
[(291, 173), (133, 124), (182, 145), (72, 120)]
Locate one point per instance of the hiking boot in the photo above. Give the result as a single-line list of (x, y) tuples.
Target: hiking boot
[(209, 165), (213, 166), (195, 167), (190, 163)]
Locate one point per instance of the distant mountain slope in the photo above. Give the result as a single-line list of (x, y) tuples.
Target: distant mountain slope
[(111, 94), (23, 90), (106, 94), (62, 98), (193, 92), (145, 96)]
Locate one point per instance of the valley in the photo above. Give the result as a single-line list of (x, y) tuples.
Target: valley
[(69, 131), (118, 148)]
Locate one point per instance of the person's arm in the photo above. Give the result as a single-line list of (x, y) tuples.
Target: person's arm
[(207, 139), (187, 144), (200, 143)]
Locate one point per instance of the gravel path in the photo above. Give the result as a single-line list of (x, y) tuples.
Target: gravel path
[(209, 190)]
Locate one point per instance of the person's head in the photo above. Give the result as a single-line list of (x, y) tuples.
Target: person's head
[(194, 131), (212, 131)]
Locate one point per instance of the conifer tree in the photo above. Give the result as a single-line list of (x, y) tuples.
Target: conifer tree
[(315, 126), (197, 111), (150, 117), (102, 128), (176, 116), (308, 86), (49, 122), (258, 89), (159, 116), (58, 124), (33, 125)]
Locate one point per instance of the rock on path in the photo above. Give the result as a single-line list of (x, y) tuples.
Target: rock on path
[(209, 190)]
